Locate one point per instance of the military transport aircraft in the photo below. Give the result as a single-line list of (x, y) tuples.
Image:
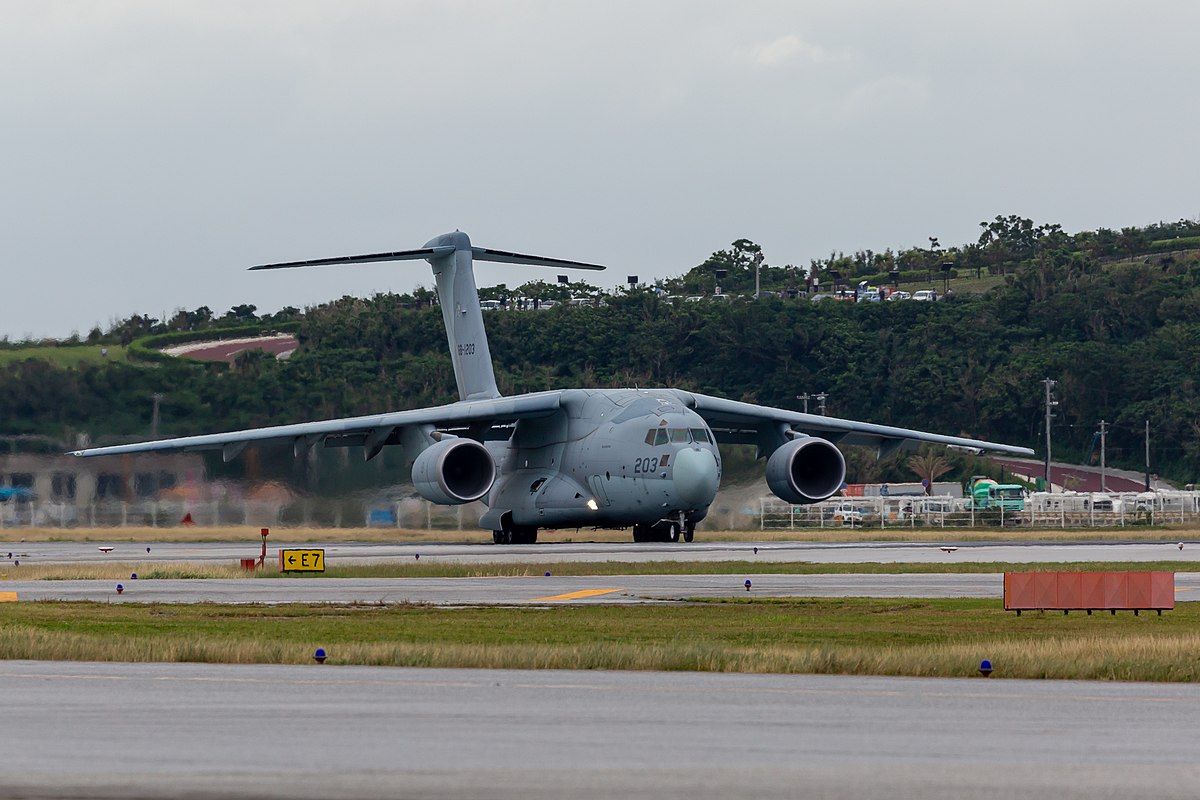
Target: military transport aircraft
[(571, 458)]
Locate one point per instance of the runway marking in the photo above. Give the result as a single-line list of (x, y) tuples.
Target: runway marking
[(8, 597), (582, 593)]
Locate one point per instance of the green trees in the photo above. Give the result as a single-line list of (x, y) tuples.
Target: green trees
[(1120, 338)]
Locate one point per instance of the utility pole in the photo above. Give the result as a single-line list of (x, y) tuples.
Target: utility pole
[(1147, 455), (819, 397), (758, 259), (1050, 404), (158, 398), (1103, 441)]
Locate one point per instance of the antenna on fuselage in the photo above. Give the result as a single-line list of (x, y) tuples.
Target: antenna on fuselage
[(451, 256)]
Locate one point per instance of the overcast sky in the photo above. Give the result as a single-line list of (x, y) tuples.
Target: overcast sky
[(151, 151)]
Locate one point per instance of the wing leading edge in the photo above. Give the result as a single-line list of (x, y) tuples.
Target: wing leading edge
[(745, 423), (373, 431)]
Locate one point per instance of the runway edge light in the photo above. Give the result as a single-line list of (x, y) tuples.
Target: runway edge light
[(319, 655), (985, 668)]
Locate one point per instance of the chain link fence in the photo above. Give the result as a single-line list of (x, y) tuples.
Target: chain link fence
[(1038, 510)]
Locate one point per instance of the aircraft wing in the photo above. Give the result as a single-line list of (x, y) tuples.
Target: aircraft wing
[(372, 432), (745, 423)]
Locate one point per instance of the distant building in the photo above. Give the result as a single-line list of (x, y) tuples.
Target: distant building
[(81, 482)]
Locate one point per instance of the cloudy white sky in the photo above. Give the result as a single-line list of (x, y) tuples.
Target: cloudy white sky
[(152, 150)]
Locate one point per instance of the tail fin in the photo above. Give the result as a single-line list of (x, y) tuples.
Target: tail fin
[(451, 256)]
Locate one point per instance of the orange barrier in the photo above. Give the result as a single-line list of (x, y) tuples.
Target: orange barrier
[(1089, 591)]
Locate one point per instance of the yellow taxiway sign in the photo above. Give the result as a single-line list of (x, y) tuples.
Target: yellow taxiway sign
[(294, 560)]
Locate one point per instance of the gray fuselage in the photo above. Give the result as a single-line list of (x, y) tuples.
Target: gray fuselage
[(638, 456)]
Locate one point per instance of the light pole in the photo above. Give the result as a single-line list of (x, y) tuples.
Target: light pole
[(1050, 403), (158, 398), (1103, 443), (1147, 455)]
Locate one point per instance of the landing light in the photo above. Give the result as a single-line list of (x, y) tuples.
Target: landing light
[(591, 503)]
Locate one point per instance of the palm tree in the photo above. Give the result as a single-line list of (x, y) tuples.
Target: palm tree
[(929, 467)]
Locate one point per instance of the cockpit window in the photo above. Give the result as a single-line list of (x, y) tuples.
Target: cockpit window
[(680, 435), (656, 436), (700, 435)]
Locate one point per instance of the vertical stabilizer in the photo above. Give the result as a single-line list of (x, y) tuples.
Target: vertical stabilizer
[(451, 255), (459, 298)]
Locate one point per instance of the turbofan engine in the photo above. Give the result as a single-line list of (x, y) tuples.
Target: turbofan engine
[(454, 471), (806, 470)]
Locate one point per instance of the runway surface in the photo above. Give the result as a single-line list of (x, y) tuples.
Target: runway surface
[(206, 731), (343, 553), (529, 590)]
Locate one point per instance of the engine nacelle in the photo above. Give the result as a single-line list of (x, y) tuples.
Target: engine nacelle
[(454, 471), (806, 470)]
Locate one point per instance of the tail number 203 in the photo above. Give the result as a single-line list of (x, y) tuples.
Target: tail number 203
[(645, 465)]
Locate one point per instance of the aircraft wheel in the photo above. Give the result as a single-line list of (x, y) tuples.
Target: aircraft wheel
[(689, 533), (671, 532), (641, 533), (524, 535), (502, 537)]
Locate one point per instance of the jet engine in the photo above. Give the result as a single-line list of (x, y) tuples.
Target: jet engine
[(454, 471), (806, 470)]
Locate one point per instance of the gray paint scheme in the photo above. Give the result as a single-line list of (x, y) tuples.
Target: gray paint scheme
[(565, 458)]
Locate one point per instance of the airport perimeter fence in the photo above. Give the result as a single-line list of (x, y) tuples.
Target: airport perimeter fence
[(411, 513), (1063, 511), (1041, 511)]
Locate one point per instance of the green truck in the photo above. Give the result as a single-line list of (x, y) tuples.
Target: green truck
[(986, 494)]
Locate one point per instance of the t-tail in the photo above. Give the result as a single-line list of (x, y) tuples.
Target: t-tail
[(451, 256)]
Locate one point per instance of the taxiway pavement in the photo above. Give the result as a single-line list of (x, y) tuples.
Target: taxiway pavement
[(534, 590), (225, 731), (365, 553)]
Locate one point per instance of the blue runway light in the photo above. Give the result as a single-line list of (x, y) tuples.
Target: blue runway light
[(147, 549), (547, 573), (417, 556), (985, 668), (747, 584), (756, 551), (319, 656), (120, 588), (133, 576)]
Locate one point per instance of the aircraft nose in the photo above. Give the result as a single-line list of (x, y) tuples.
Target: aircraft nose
[(696, 476)]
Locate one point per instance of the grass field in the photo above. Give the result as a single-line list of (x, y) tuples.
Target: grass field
[(64, 355), (1162, 533), (853, 636), (434, 569)]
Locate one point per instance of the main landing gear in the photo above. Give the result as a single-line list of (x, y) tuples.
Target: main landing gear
[(667, 530), (515, 534)]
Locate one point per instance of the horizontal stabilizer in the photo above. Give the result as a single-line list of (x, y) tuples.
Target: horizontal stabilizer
[(366, 258), (505, 257)]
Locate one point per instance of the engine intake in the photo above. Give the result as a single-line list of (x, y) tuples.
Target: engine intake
[(454, 471), (806, 470)]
